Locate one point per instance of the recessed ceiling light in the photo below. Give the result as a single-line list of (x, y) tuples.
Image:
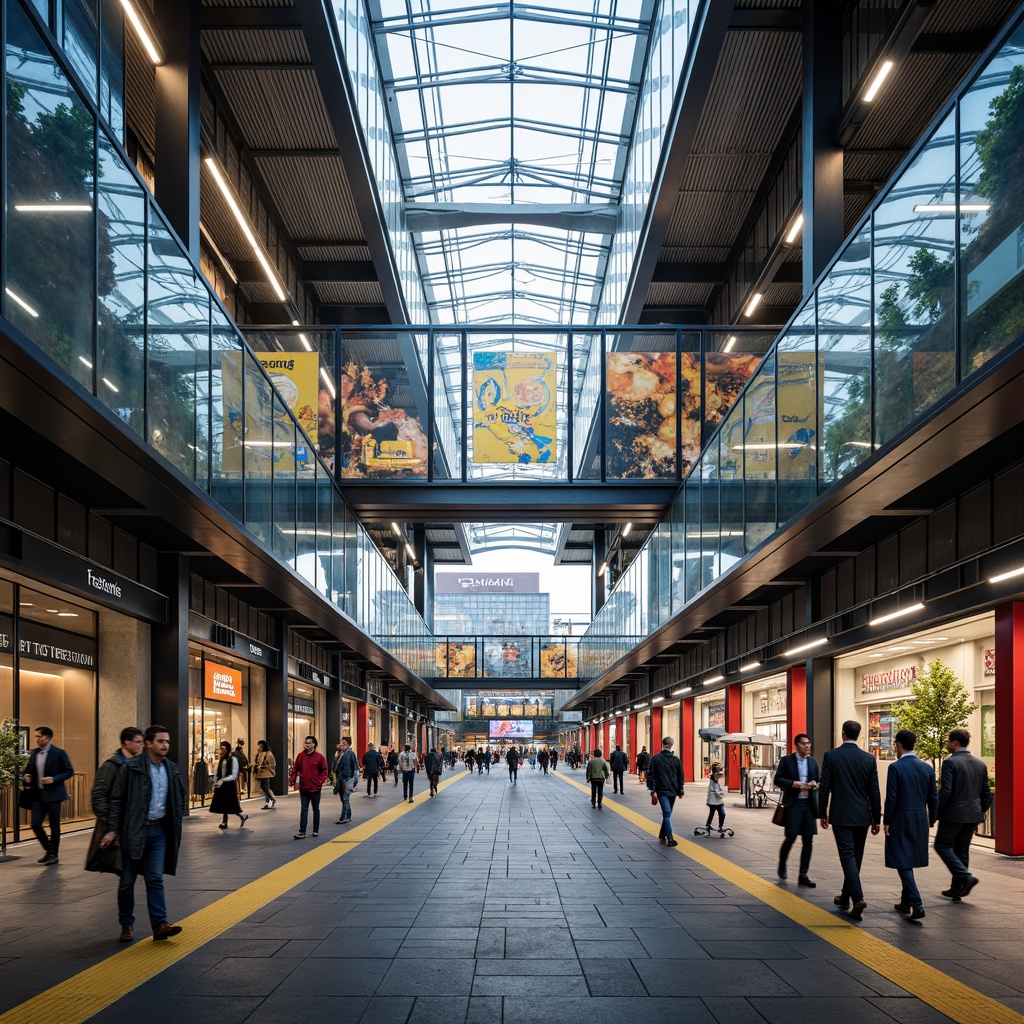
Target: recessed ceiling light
[(902, 648)]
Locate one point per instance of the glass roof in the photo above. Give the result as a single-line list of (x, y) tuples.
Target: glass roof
[(512, 124)]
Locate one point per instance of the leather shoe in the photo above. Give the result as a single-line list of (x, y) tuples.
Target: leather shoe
[(841, 901), (165, 931), (126, 933), (968, 886), (42, 860), (857, 910), (804, 880), (51, 858), (672, 842), (902, 908), (916, 913), (953, 894), (782, 868)]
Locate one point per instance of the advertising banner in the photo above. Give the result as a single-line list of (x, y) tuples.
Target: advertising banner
[(508, 730), (514, 408), (558, 660), (642, 411), (508, 704), (222, 683)]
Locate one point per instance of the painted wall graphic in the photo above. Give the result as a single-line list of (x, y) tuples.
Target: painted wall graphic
[(377, 439), (264, 430), (514, 408), (641, 409)]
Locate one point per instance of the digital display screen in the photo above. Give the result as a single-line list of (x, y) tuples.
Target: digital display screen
[(500, 729)]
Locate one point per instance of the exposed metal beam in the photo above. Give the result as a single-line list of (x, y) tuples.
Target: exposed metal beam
[(294, 154), (255, 65), (250, 17), (353, 314), (673, 315), (785, 20), (689, 273), (592, 217), (333, 271), (951, 42)]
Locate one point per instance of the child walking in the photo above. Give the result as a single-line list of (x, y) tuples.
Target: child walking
[(716, 800)]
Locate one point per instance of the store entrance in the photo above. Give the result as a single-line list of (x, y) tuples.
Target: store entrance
[(218, 710)]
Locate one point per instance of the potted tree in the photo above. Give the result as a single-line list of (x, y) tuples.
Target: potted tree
[(12, 763)]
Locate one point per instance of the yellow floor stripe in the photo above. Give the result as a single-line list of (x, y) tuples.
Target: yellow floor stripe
[(88, 992), (957, 1001)]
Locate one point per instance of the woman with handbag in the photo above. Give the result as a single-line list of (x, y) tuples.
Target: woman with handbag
[(225, 787), (264, 769)]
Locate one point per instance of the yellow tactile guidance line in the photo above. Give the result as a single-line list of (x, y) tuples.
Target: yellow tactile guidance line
[(88, 992), (957, 1001)]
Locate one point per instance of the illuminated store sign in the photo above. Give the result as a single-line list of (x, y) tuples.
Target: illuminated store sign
[(487, 583), (222, 683)]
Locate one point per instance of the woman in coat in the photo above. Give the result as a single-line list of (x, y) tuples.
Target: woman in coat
[(264, 769), (225, 787)]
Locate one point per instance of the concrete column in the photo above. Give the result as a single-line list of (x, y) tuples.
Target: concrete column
[(124, 678), (821, 725), (634, 747), (1009, 812), (169, 658), (598, 583), (276, 689), (686, 725)]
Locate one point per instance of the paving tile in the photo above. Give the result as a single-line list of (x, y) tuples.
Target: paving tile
[(428, 978), (518, 987), (524, 968)]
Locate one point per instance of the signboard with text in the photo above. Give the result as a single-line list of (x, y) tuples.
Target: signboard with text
[(222, 683)]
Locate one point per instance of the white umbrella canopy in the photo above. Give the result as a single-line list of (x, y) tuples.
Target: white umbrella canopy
[(755, 739)]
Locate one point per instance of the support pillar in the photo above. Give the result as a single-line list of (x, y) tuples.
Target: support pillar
[(796, 703), (618, 731), (606, 735), (1009, 688), (634, 749), (688, 739), (598, 585), (277, 710), (170, 664), (334, 726), (733, 723), (656, 736), (821, 724), (362, 728)]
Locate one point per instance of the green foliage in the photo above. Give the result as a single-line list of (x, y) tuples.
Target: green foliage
[(12, 760), (940, 704), (1000, 143)]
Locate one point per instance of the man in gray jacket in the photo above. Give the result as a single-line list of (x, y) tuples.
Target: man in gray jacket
[(147, 804), (964, 797)]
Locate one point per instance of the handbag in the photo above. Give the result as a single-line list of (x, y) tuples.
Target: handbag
[(779, 814), (25, 799)]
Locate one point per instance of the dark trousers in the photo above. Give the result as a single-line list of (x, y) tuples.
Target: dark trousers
[(911, 895), (434, 779), (394, 772), (952, 844), (40, 811), (305, 799), (799, 822), (513, 774), (268, 793), (372, 780), (712, 810), (408, 779), (850, 841), (618, 786), (596, 792), (151, 865)]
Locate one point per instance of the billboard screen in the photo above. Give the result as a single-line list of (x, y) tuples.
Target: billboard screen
[(510, 730)]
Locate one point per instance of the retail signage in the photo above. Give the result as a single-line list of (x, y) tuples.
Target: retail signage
[(990, 663), (222, 683), (297, 706), (507, 704), (514, 408), (508, 730), (52, 564), (487, 583), (886, 682), (41, 643), (202, 628), (572, 716), (308, 674), (770, 703)]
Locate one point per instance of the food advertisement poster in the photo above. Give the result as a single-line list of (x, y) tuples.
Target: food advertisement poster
[(455, 659), (558, 660), (507, 704), (641, 413), (264, 430), (514, 408)]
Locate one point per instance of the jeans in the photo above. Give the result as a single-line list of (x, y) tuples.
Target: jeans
[(596, 792), (513, 775), (850, 841), (306, 799), (346, 800), (434, 778), (394, 775), (151, 864), (952, 844), (799, 822), (667, 801), (40, 811), (720, 809), (268, 794), (618, 786), (408, 779), (910, 894), (371, 780)]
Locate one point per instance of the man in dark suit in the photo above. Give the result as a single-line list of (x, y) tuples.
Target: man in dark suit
[(964, 797), (850, 802), (45, 774), (910, 806), (798, 778)]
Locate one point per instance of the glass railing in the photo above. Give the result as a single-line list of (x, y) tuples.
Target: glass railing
[(923, 295), (96, 279)]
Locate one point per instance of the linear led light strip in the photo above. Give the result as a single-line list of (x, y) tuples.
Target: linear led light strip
[(243, 223), (898, 614), (143, 31)]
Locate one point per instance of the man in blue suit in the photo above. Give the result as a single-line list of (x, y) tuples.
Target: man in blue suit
[(849, 800), (45, 774), (911, 803)]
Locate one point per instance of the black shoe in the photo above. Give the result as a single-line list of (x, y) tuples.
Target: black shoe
[(857, 910), (916, 913), (782, 867), (953, 894), (968, 885), (42, 860), (804, 880), (315, 834), (671, 842), (841, 901), (51, 858), (340, 821), (902, 908)]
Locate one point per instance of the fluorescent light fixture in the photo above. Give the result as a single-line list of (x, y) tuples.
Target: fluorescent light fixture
[(1007, 575), (243, 223), (856, 444), (307, 344), (258, 444), (902, 647), (410, 551), (755, 301), (642, 704), (681, 691), (876, 83), (729, 342), (396, 530), (712, 534), (756, 446), (627, 529), (657, 700), (110, 384), (898, 614), (952, 208), (807, 646), (750, 666), (328, 383), (144, 32), (82, 359), (221, 258), (53, 207), (67, 615), (604, 569), (21, 302), (794, 232), (714, 679)]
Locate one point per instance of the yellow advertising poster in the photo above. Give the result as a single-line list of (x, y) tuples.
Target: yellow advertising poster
[(265, 434), (514, 407)]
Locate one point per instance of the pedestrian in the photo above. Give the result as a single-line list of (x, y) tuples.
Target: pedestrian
[(480, 760), (373, 765), (434, 766), (554, 759), (225, 787), (643, 759), (597, 771), (544, 758), (264, 769), (391, 765), (849, 802), (911, 803), (664, 773), (48, 768), (619, 762), (715, 801), (407, 765), (964, 797), (243, 767), (488, 757), (97, 858), (346, 776), (308, 774), (469, 760), (798, 776), (533, 759), (144, 816), (512, 760)]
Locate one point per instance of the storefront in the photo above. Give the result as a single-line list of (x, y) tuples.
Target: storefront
[(764, 712), (710, 714)]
